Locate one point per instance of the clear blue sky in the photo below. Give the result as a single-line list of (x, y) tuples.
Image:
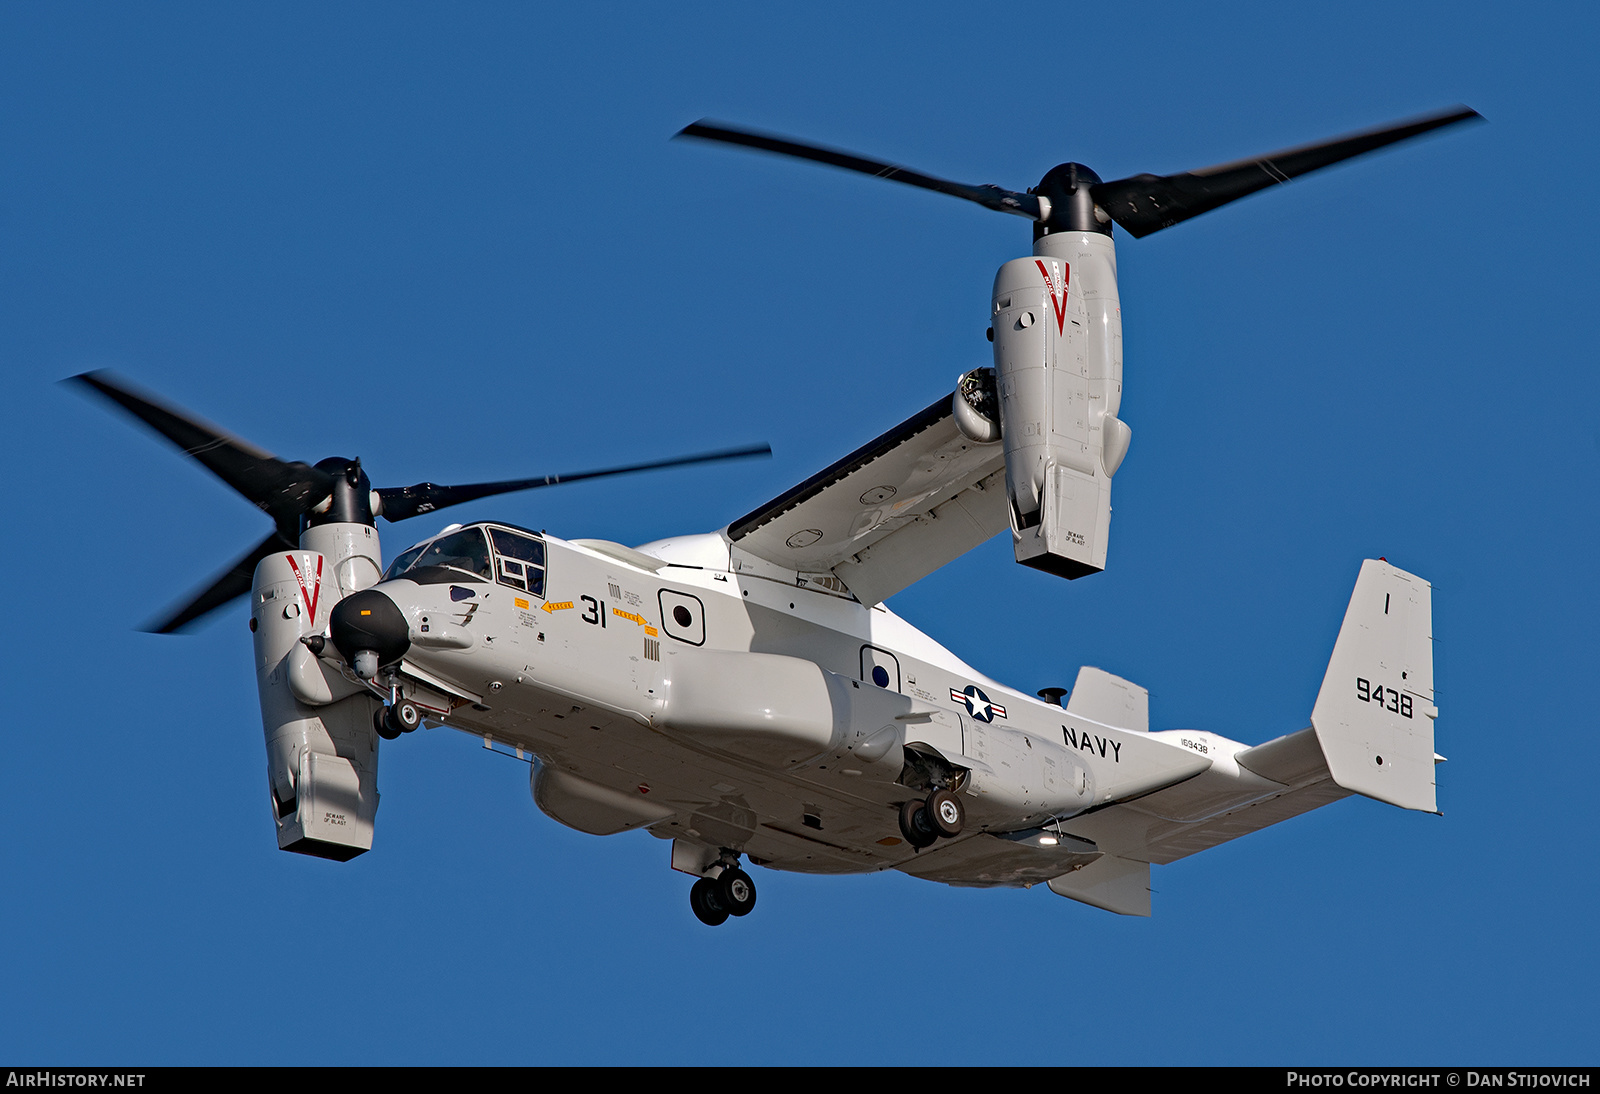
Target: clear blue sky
[(459, 245)]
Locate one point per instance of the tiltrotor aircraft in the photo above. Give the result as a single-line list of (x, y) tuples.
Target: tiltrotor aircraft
[(745, 692)]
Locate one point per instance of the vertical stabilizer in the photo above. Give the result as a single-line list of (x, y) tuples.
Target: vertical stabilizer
[(1374, 715), (1109, 700)]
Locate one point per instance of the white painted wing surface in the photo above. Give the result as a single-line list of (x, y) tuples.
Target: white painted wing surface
[(889, 513)]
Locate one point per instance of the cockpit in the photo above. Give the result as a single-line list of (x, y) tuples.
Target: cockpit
[(488, 552)]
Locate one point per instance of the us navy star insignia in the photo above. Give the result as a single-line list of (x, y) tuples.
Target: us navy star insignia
[(977, 703)]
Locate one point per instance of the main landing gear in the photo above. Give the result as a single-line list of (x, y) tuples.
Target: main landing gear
[(923, 822), (731, 892)]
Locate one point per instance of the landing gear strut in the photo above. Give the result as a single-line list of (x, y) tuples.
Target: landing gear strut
[(923, 822), (731, 892)]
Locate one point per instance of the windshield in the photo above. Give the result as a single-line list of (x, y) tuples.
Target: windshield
[(403, 562), (464, 550)]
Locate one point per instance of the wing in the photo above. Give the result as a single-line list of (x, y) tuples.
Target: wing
[(893, 511)]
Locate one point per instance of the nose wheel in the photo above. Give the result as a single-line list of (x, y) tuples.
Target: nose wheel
[(730, 893), (395, 719)]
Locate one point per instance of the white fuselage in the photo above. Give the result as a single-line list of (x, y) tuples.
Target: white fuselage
[(675, 689)]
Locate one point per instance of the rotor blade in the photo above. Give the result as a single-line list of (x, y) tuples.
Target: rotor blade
[(233, 582), (990, 197), (284, 490), (404, 502), (1147, 203)]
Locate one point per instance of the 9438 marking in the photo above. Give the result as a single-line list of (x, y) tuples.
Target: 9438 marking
[(1397, 702)]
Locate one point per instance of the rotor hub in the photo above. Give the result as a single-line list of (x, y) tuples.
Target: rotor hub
[(1066, 187), (351, 501)]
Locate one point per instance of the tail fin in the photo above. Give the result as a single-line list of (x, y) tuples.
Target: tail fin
[(1109, 700), (1374, 715)]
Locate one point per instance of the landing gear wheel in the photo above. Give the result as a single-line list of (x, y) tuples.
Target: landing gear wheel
[(394, 720), (707, 903), (945, 813), (735, 891), (380, 722), (915, 826), (405, 715)]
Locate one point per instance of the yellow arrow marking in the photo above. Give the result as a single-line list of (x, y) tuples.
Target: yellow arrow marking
[(639, 619), (556, 607)]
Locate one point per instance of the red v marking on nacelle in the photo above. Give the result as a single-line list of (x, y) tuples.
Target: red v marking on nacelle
[(1059, 304), (315, 594)]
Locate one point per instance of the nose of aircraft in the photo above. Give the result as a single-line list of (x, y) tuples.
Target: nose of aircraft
[(369, 630)]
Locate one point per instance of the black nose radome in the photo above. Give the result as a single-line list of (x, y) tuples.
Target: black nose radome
[(369, 623)]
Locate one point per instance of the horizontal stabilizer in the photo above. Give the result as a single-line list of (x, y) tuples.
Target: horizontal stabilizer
[(1374, 715), (1132, 830)]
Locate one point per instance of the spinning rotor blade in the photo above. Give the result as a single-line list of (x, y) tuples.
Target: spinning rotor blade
[(282, 490), (1141, 204), (1147, 203), (990, 197), (405, 502), (233, 582), (334, 491)]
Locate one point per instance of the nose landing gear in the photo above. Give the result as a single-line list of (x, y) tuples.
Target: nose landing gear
[(730, 893), (399, 717)]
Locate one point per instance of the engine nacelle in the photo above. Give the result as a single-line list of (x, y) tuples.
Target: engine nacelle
[(322, 748), (1058, 363)]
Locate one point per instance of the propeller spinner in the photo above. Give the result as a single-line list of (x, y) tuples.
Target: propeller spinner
[(297, 495), (1071, 197)]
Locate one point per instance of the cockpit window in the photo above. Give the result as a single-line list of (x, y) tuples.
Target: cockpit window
[(403, 562), (463, 550), (519, 560)]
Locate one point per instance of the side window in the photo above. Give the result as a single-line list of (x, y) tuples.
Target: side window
[(519, 560), (880, 667), (683, 617)]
